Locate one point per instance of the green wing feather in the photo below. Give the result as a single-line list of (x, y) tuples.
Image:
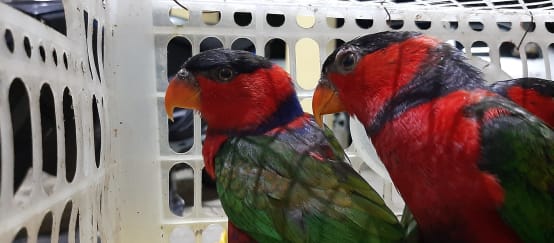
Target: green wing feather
[(519, 150), (295, 186)]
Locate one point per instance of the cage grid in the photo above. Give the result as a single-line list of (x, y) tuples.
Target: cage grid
[(91, 101)]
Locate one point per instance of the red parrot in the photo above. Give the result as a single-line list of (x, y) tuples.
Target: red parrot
[(471, 165), (279, 176), (534, 94)]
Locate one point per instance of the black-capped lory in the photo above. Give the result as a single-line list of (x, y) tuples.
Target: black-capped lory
[(471, 165), (279, 176), (534, 94)]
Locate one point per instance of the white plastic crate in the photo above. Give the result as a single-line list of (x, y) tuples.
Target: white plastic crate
[(114, 58)]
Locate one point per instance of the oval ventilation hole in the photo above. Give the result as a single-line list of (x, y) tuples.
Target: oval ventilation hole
[(275, 20), (364, 23), (423, 25), (243, 44), (276, 51), (181, 189), (508, 49), (77, 227), (549, 26), (21, 236), (102, 46), (42, 53), (70, 136), (97, 131), (504, 26), (22, 135), (8, 39), (341, 128), (180, 131), (45, 230), (49, 133), (65, 221), (85, 23), (178, 15), (395, 24), (305, 21), (335, 22), (510, 59), (476, 25), (95, 49), (55, 57), (179, 50), (27, 46), (480, 49), (210, 43), (242, 18), (528, 26), (64, 57), (307, 63), (211, 17)]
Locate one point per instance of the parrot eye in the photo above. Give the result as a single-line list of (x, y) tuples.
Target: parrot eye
[(348, 61), (225, 74)]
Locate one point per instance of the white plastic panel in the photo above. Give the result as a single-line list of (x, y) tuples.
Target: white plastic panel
[(123, 64), (46, 96)]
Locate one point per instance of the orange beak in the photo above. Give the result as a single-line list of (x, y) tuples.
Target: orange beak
[(180, 94), (325, 101)]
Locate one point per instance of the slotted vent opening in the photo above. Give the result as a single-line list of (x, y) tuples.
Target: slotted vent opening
[(70, 136), (22, 134)]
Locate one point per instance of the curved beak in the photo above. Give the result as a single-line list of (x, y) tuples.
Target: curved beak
[(180, 93), (326, 100)]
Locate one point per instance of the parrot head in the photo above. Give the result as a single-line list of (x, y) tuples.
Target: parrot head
[(375, 66), (235, 91)]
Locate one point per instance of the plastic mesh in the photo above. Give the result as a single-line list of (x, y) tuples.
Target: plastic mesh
[(91, 100)]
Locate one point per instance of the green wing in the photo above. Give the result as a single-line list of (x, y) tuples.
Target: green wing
[(294, 186), (519, 150)]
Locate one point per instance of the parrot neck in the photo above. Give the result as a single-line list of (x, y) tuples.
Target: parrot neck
[(287, 111), (443, 71)]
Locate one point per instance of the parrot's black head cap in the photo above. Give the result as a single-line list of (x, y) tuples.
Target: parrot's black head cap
[(239, 61), (366, 44)]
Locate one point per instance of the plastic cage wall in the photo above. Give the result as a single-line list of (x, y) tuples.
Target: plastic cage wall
[(86, 151)]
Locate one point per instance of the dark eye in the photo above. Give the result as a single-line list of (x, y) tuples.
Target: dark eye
[(348, 61), (225, 74)]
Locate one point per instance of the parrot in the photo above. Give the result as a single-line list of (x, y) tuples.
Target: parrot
[(280, 176), (536, 95), (471, 165)]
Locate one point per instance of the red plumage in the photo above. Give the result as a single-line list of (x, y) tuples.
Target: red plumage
[(209, 150), (540, 105), (448, 136), (235, 235), (220, 107), (534, 94), (384, 74), (415, 96)]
